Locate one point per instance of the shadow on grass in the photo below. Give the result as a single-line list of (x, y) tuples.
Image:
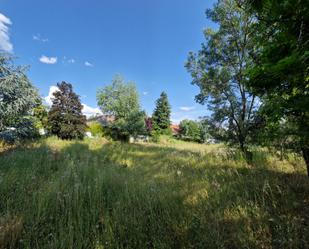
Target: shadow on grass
[(144, 196)]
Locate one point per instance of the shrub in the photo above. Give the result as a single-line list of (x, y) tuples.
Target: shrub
[(24, 129), (190, 130), (155, 136), (96, 129)]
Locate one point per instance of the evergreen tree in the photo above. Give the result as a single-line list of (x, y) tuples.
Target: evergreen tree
[(65, 116), (161, 115)]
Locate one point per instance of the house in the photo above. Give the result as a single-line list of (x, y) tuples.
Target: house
[(103, 119), (175, 129)]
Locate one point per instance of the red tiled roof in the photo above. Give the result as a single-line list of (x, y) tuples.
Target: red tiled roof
[(175, 129)]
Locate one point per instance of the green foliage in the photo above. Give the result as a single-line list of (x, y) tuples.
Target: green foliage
[(121, 100), (40, 115), (155, 136), (24, 129), (282, 72), (133, 125), (95, 128), (65, 116), (190, 130), (219, 70), (99, 194), (161, 115), (206, 132), (17, 98)]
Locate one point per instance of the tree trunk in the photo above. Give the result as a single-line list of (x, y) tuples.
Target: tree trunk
[(305, 151), (247, 154)]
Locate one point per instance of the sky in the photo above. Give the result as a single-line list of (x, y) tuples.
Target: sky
[(86, 43)]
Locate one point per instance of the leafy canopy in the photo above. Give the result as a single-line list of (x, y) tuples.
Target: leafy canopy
[(219, 70), (121, 100), (17, 94), (190, 130), (281, 74), (17, 99)]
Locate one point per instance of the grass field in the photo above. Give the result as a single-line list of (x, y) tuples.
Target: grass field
[(97, 194)]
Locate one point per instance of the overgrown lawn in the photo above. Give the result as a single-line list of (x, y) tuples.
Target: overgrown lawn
[(99, 194)]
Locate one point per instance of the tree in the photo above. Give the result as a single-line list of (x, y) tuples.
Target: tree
[(135, 124), (121, 100), (219, 70), (118, 99), (205, 131), (40, 115), (281, 74), (65, 115), (17, 98), (190, 130), (161, 115), (149, 125)]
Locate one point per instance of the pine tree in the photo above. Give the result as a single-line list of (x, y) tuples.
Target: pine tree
[(161, 115), (65, 116)]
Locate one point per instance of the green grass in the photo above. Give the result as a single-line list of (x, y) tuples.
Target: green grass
[(100, 194)]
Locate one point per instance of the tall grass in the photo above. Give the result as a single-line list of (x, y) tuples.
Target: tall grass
[(99, 194)]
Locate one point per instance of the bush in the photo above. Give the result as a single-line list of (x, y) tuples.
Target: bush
[(123, 128), (155, 136), (190, 130), (96, 129), (24, 129)]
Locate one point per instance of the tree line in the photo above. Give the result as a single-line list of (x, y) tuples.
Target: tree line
[(23, 114), (252, 73)]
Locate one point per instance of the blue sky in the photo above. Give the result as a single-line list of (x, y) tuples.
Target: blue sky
[(87, 42)]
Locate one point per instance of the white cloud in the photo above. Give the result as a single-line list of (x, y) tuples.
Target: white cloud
[(145, 93), (187, 108), (90, 111), (48, 99), (68, 60), (5, 43), (71, 61), (48, 60), (87, 110), (38, 37), (88, 64)]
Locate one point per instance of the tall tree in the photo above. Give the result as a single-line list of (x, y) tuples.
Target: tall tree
[(17, 96), (281, 74), (161, 115), (65, 116), (121, 100), (219, 69)]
